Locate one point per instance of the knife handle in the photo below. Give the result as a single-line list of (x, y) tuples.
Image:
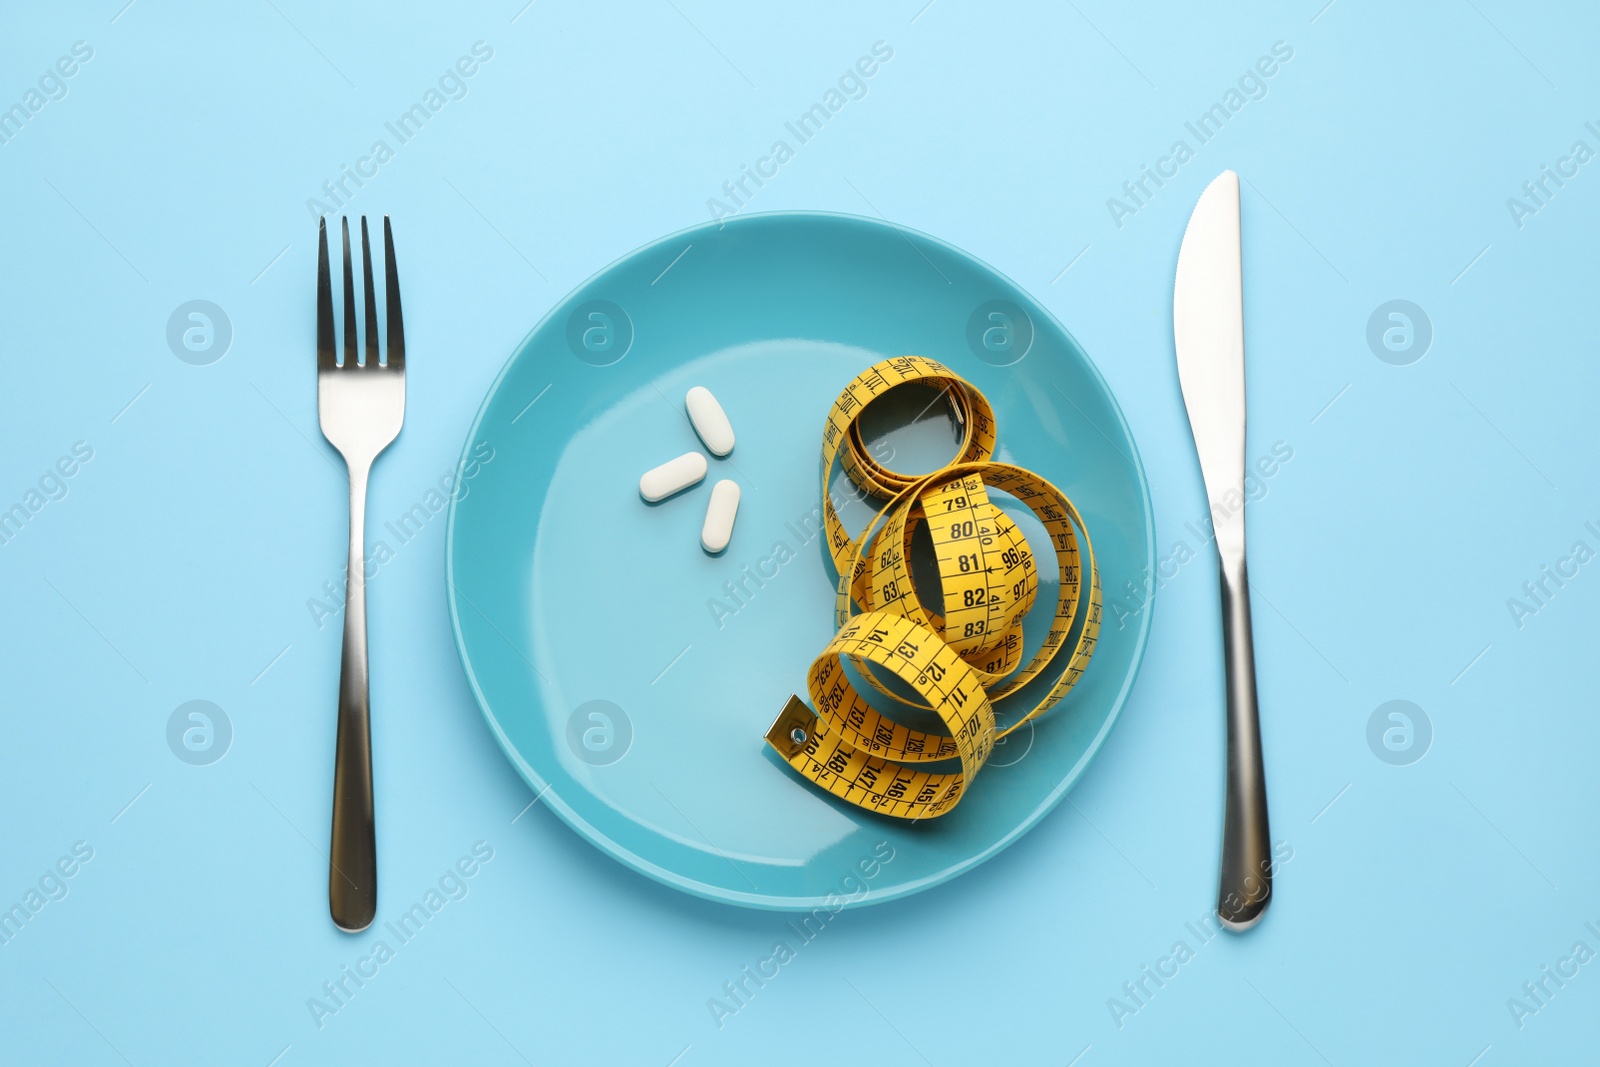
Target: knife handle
[(1246, 882)]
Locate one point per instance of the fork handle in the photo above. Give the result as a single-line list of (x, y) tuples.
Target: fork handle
[(353, 849)]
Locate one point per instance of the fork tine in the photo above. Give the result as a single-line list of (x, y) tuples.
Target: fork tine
[(349, 301), (325, 356), (391, 299), (371, 299)]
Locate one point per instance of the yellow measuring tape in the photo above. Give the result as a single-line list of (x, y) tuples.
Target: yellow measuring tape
[(955, 661)]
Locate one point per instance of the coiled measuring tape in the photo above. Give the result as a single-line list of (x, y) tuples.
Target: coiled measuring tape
[(956, 661)]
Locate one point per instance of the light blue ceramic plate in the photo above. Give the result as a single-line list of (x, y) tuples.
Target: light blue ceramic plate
[(628, 675)]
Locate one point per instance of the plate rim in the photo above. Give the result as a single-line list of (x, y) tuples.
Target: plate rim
[(766, 901)]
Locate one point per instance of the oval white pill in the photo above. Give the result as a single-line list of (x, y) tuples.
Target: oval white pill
[(710, 421), (714, 535), (673, 476)]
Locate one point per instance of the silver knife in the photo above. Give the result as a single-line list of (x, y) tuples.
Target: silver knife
[(1208, 333)]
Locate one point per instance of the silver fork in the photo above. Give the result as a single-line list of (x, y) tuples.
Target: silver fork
[(361, 406)]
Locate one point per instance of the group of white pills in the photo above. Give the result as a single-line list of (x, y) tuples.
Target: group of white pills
[(676, 475)]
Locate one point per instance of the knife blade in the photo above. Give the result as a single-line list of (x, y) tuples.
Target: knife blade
[(1208, 336)]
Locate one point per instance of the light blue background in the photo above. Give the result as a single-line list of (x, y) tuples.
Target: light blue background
[(1419, 499)]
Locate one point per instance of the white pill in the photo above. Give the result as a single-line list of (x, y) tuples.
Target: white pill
[(710, 421), (720, 512), (673, 476)]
